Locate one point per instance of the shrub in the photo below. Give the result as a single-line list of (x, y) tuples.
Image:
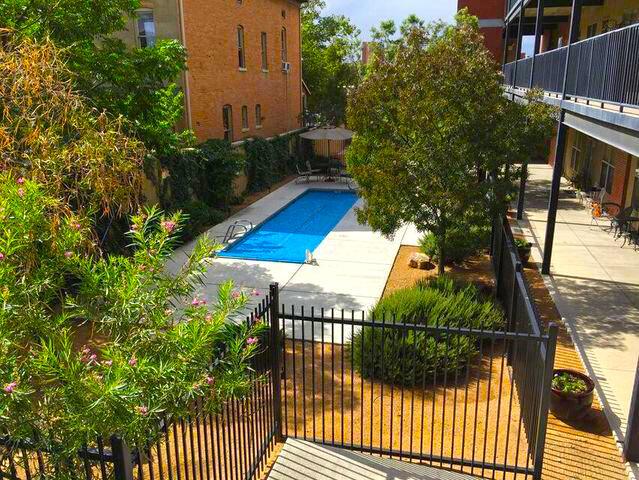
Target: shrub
[(406, 356), (260, 164), (150, 348), (199, 216), (460, 244)]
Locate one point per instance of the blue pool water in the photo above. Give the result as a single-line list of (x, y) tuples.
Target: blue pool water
[(300, 226)]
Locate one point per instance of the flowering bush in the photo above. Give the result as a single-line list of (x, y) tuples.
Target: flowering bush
[(94, 346)]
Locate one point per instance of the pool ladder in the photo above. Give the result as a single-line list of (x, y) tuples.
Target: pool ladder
[(237, 230)]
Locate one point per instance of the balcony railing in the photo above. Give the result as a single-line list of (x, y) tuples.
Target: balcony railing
[(602, 68)]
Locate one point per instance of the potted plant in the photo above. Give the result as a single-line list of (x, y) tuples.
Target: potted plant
[(571, 394), (523, 249)]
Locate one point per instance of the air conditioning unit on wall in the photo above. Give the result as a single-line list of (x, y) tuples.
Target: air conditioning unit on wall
[(286, 67)]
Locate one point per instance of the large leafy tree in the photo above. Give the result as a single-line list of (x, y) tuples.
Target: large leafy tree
[(430, 122), (385, 38), (329, 58), (138, 83)]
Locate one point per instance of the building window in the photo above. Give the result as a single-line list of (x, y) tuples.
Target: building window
[(607, 171), (240, 47), (227, 121), (284, 47), (245, 120), (146, 28), (264, 51), (258, 116)]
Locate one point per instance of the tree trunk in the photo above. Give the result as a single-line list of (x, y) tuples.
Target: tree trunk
[(442, 260)]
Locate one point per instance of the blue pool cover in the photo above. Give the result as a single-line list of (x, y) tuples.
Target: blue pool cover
[(300, 226)]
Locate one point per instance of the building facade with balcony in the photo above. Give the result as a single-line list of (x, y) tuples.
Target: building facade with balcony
[(584, 56), (244, 73)]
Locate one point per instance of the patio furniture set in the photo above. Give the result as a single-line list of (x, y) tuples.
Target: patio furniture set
[(331, 172), (621, 222)]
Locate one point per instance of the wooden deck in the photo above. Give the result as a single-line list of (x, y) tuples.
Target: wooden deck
[(300, 460)]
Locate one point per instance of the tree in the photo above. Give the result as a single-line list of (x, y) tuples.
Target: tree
[(385, 40), (428, 123), (138, 83), (329, 60)]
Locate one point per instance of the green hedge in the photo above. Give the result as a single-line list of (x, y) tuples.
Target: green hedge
[(460, 244), (403, 356), (268, 161)]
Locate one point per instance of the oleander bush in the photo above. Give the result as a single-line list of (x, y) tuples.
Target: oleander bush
[(459, 244), (405, 356), (94, 345)]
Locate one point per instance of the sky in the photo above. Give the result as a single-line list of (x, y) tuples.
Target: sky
[(368, 13)]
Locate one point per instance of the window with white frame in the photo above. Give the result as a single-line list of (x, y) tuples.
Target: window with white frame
[(607, 170), (241, 54), (264, 51), (227, 121), (245, 118), (145, 24), (258, 116)]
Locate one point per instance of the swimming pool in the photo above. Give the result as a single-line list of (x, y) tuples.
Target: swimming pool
[(299, 226)]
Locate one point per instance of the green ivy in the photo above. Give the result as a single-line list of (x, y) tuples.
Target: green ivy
[(268, 161)]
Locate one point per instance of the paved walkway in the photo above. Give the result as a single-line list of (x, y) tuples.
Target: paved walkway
[(353, 262), (595, 286), (301, 460)]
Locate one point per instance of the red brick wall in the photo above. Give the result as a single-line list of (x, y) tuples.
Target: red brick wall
[(488, 10), (214, 77), (621, 161)]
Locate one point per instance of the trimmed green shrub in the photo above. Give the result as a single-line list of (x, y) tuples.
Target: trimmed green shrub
[(460, 244), (403, 356), (260, 164)]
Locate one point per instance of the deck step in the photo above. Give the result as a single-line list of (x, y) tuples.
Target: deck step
[(302, 460)]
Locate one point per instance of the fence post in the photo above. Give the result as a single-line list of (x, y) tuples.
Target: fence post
[(276, 351), (540, 441), (122, 459), (631, 443), (500, 259), (512, 318)]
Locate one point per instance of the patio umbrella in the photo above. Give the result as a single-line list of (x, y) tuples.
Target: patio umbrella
[(328, 133)]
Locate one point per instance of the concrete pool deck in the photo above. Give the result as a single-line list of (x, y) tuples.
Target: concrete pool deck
[(353, 262)]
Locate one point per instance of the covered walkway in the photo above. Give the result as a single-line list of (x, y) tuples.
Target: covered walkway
[(595, 286)]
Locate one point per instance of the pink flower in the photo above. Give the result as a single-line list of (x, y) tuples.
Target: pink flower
[(236, 295), (195, 302), (21, 192), (168, 225), (108, 363), (93, 357), (135, 227), (255, 293), (1, 256), (20, 181), (76, 225), (209, 380), (142, 410), (208, 317), (10, 387), (68, 254), (251, 340), (133, 361)]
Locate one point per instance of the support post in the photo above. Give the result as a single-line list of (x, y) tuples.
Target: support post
[(553, 203), (122, 459), (505, 53), (522, 191), (539, 25), (540, 443), (518, 44), (276, 354), (631, 443)]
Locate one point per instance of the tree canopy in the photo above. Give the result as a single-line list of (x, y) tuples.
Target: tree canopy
[(330, 51), (429, 122), (138, 83)]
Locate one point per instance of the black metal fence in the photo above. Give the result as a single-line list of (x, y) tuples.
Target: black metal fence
[(232, 444), (482, 412), (600, 69), (480, 408)]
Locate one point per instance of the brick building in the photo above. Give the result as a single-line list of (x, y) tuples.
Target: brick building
[(244, 74)]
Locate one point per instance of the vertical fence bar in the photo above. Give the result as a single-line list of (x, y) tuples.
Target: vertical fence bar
[(276, 350), (122, 459), (540, 441)]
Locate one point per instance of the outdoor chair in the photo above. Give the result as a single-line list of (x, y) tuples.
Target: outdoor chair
[(305, 175), (606, 212), (618, 222)]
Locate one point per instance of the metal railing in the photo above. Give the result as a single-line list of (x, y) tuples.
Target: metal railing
[(601, 69), (482, 412)]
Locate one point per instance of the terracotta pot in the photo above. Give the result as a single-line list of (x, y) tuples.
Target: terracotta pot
[(568, 405)]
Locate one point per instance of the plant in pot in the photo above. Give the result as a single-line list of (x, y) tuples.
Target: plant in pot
[(523, 249), (571, 394)]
